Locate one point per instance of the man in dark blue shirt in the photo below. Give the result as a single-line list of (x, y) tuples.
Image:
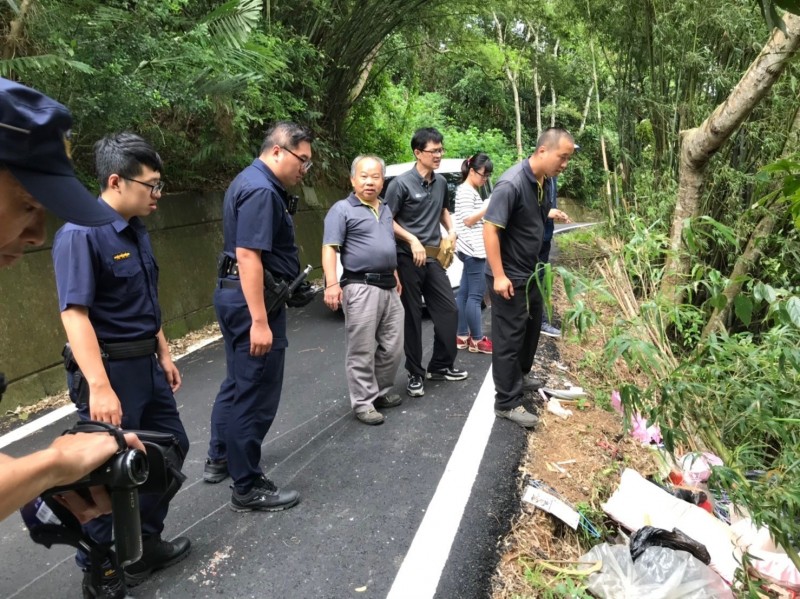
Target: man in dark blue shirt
[(513, 230), (107, 280), (259, 245), (36, 175)]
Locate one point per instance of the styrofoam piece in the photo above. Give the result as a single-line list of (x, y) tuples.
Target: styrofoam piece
[(572, 393)]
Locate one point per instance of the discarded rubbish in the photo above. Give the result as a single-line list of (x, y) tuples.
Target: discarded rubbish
[(649, 536), (584, 523), (771, 560), (571, 393), (638, 502), (552, 505), (696, 467), (639, 429), (660, 573)]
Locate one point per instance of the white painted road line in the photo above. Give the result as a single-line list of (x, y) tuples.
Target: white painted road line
[(64, 411), (36, 425), (423, 565)]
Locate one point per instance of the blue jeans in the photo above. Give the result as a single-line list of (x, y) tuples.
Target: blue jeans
[(470, 296)]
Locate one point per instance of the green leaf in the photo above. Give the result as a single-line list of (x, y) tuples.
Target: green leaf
[(792, 6), (743, 307), (719, 301), (793, 310)]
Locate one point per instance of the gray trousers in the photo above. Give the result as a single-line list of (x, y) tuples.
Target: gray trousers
[(374, 331)]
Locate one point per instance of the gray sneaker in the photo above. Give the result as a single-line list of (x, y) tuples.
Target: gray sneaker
[(531, 383), (371, 416), (519, 415), (550, 330)]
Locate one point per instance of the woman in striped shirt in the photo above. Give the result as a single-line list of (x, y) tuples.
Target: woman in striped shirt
[(470, 208)]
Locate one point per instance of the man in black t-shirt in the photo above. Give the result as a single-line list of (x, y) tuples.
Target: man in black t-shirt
[(513, 232), (417, 199)]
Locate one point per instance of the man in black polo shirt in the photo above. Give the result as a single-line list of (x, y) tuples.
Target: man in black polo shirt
[(417, 199), (360, 227), (513, 233)]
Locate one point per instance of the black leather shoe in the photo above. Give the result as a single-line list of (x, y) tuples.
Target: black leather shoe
[(215, 471), (111, 586), (531, 383), (264, 497), (157, 554)]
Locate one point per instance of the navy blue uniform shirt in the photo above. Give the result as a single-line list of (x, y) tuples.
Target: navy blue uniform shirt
[(111, 271), (255, 217)]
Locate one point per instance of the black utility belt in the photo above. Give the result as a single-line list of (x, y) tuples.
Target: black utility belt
[(124, 350), (384, 280)]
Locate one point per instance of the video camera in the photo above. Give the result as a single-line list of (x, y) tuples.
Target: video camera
[(125, 475)]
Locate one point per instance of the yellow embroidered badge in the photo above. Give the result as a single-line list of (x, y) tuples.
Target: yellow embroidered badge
[(122, 256)]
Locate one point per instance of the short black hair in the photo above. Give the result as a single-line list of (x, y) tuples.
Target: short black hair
[(477, 161), (551, 137), (286, 134), (424, 136), (124, 154)]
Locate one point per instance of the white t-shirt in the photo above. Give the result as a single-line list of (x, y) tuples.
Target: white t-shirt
[(470, 239)]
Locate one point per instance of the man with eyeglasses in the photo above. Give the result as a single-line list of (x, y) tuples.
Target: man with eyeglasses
[(259, 244), (119, 368), (418, 201)]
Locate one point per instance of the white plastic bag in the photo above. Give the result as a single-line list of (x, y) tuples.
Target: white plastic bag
[(660, 573)]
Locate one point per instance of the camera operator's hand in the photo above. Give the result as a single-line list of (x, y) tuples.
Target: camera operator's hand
[(78, 455), (104, 405)]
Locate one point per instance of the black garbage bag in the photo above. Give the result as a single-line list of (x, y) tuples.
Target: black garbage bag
[(649, 536)]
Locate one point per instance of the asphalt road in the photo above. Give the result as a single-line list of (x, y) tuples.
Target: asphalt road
[(365, 490)]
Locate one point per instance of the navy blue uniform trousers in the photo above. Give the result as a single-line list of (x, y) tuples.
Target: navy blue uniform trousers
[(149, 405), (249, 396)]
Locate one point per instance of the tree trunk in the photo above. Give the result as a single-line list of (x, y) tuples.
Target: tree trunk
[(553, 89), (752, 252), (14, 37), (700, 144), (611, 218), (366, 69), (586, 109), (536, 89), (513, 77)]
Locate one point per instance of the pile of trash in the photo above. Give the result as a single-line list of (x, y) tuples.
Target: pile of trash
[(681, 541)]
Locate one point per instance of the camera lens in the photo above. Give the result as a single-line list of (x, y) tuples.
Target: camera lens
[(135, 466)]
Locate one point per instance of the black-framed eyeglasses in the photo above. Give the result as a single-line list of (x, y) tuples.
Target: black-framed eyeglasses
[(436, 151), (154, 187), (484, 175), (305, 163)]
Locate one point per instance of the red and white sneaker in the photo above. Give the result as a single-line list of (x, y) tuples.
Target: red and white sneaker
[(483, 346), (462, 342)]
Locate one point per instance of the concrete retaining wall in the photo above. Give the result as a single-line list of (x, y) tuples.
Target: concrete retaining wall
[(187, 235)]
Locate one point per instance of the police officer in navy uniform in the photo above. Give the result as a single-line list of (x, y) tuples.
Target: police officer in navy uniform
[(107, 280), (259, 244), (36, 176)]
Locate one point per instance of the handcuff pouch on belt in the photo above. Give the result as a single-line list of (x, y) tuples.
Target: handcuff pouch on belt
[(124, 350)]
